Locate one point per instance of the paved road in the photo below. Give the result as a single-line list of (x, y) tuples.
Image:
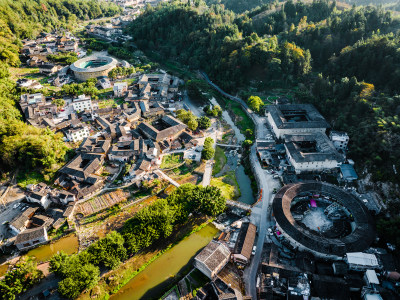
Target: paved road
[(165, 176), (192, 106), (207, 173), (48, 283)]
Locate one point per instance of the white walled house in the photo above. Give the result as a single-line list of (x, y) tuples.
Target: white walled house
[(39, 194), (339, 139), (82, 103), (77, 134), (295, 119), (312, 153), (120, 88), (211, 260), (31, 238)]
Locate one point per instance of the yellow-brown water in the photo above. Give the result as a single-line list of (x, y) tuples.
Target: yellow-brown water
[(3, 269), (152, 281), (68, 244)]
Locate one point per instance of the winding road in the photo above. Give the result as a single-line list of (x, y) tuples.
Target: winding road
[(260, 215)]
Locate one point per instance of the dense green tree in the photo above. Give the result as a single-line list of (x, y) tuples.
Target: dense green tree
[(255, 103), (208, 149), (192, 124), (86, 276), (59, 102), (204, 122), (23, 276), (108, 251), (188, 118), (63, 58)]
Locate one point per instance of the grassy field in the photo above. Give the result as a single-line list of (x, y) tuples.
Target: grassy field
[(32, 73), (26, 178), (106, 103), (242, 120), (220, 160), (228, 185), (185, 173), (171, 161)]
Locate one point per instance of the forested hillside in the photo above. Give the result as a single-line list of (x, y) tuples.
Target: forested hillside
[(239, 6), (22, 145), (210, 39), (356, 52)]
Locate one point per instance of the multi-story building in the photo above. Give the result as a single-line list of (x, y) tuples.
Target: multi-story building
[(120, 88), (312, 152), (339, 139), (295, 119), (77, 134), (82, 103)]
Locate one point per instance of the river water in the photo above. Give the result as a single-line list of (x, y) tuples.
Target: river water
[(68, 244), (3, 269), (153, 280), (242, 179), (246, 193), (240, 136)]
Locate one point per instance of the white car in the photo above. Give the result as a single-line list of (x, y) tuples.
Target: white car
[(254, 250), (16, 205), (270, 231)]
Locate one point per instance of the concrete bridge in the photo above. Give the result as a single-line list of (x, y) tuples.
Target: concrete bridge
[(241, 205), (229, 146)]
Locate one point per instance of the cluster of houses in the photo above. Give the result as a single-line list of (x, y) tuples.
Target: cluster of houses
[(113, 30), (135, 132), (299, 134), (136, 5), (36, 52), (367, 276), (110, 31), (31, 224), (235, 246)]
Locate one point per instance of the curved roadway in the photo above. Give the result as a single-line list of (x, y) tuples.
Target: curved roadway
[(260, 215)]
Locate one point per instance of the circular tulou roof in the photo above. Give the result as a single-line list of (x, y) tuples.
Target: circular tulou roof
[(358, 240), (103, 62)]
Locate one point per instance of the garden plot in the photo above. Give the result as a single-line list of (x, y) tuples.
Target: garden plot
[(102, 202)]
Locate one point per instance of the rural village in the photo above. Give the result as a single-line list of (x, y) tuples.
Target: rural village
[(298, 222)]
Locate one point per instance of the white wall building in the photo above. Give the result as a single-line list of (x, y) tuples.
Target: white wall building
[(31, 238), (339, 139), (212, 259), (82, 103), (312, 153), (361, 261), (120, 88), (77, 134), (295, 119)]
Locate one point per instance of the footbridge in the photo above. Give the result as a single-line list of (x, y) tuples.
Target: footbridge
[(240, 205), (229, 146)]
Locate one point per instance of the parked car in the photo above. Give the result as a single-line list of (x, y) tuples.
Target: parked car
[(253, 252)]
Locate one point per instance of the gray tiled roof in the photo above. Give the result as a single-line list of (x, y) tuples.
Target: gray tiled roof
[(358, 240), (30, 234), (325, 148), (315, 119), (212, 255)]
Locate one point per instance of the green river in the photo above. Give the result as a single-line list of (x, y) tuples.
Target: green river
[(153, 280)]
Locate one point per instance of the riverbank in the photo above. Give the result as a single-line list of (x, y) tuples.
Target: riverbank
[(115, 280)]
